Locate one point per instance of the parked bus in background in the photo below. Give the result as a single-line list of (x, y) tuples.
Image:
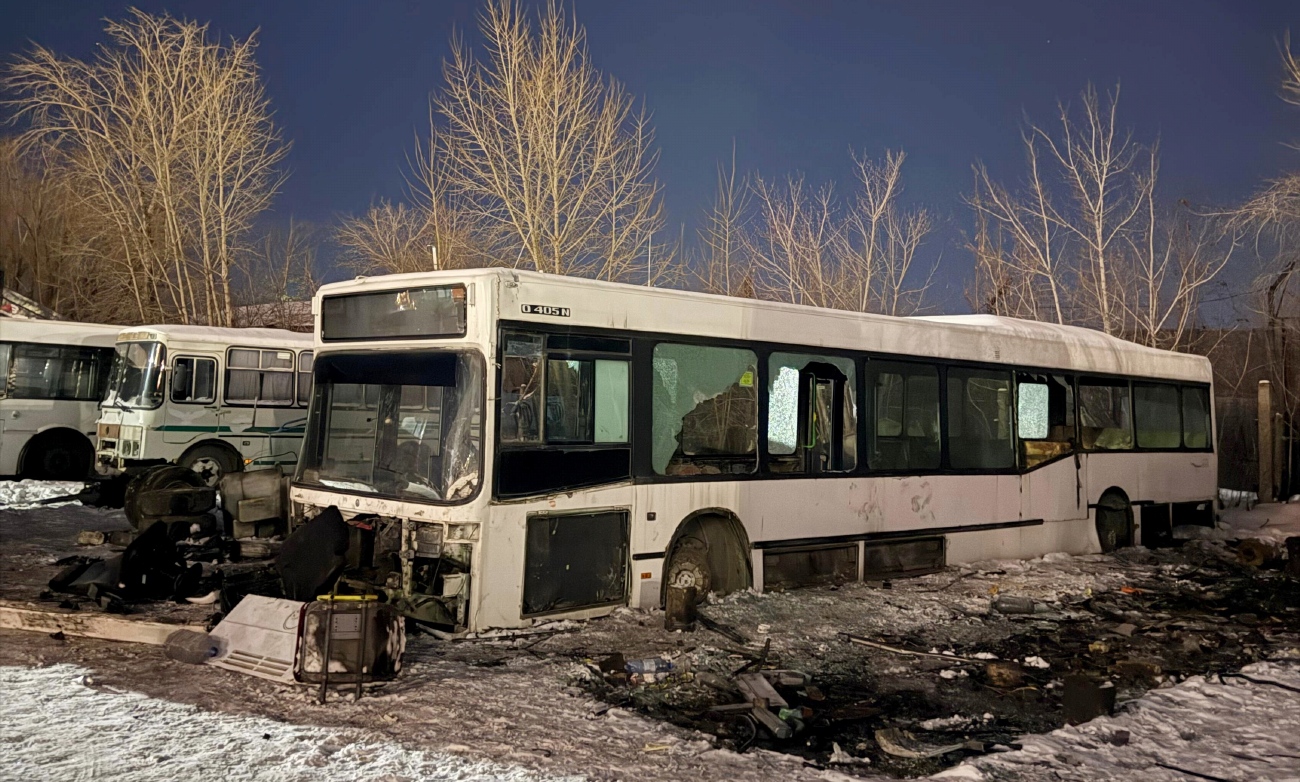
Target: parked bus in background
[(214, 400), (52, 376), (521, 445)]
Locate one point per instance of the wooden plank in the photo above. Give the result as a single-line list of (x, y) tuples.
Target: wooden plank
[(16, 616), (757, 688)]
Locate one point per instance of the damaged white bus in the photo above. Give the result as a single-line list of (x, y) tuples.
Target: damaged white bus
[(507, 445), (215, 400)]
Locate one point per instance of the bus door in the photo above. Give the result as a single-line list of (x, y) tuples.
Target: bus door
[(821, 418), (190, 409)]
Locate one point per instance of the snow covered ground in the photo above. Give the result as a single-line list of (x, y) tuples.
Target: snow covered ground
[(1236, 729), (60, 726), (16, 495)]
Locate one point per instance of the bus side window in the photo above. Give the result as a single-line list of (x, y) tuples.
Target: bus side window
[(194, 380), (1105, 415), (1156, 415), (521, 386), (1196, 417), (1044, 416), (705, 410), (305, 377), (6, 352), (979, 419), (905, 429)]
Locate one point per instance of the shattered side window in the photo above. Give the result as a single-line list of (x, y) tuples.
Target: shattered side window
[(705, 410)]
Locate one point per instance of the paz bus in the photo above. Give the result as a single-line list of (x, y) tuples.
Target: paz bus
[(52, 376), (520, 445), (215, 400)]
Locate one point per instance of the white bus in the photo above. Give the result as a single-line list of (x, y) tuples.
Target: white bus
[(215, 400), (52, 376), (524, 445)]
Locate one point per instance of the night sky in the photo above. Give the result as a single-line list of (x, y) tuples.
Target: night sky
[(793, 85)]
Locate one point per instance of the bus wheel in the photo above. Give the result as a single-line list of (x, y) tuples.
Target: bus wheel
[(1114, 522), (689, 567), (58, 456), (211, 463)]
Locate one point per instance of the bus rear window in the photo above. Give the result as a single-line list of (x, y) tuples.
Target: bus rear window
[(409, 313)]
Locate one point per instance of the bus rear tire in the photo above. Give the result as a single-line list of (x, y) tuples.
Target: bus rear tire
[(1114, 522), (211, 463), (59, 455)]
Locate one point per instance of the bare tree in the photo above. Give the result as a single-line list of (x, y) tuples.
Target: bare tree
[(165, 144), (806, 247), (275, 281), (1082, 240), (879, 242), (724, 265), (551, 161)]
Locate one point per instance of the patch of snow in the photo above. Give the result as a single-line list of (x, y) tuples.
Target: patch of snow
[(16, 495), (984, 656), (1036, 662), (1215, 729), (58, 726)]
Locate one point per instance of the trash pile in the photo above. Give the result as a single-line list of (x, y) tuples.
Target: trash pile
[(914, 701), (278, 614)]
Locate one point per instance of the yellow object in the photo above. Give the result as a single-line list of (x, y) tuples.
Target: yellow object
[(346, 598)]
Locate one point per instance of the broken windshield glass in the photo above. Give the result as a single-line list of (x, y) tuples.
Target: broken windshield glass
[(137, 376), (406, 426)]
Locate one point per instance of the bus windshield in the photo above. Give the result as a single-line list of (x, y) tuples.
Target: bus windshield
[(405, 425), (137, 379)]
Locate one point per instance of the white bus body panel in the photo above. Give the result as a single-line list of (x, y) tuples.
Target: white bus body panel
[(22, 419)]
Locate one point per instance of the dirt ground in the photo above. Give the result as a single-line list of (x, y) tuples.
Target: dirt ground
[(547, 701)]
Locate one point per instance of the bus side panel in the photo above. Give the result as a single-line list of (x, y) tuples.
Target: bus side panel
[(503, 548)]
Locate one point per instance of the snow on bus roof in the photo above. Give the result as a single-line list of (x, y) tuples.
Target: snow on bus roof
[(252, 337), (982, 338), (57, 332)]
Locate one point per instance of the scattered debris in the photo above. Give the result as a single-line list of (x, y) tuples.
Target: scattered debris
[(903, 744), (1086, 698), (841, 758), (191, 646), (87, 625)]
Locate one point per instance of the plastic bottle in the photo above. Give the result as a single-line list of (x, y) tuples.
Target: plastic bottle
[(191, 646), (649, 665)]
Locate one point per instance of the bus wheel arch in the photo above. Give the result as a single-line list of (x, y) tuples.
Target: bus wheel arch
[(710, 551), (1114, 520), (212, 460), (57, 454)]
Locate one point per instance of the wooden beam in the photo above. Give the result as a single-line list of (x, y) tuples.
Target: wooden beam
[(85, 624)]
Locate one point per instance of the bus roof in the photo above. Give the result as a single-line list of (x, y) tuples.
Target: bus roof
[(982, 338), (57, 332), (258, 338)]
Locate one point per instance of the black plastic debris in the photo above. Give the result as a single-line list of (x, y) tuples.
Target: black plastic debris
[(151, 568), (313, 556)]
